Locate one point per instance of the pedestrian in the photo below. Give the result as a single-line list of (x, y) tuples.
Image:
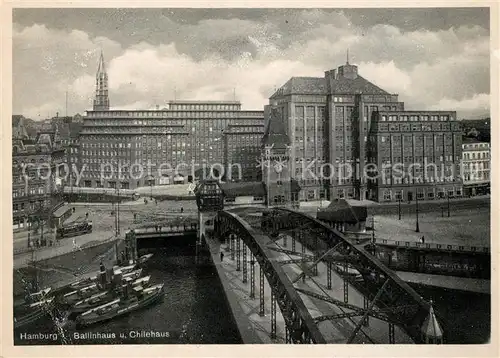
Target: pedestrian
[(102, 268), (182, 210), (86, 215), (221, 256)]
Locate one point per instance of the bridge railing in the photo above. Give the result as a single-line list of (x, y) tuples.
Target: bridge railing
[(166, 229), (432, 246)]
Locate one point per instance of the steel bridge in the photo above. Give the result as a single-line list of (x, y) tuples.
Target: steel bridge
[(367, 303)]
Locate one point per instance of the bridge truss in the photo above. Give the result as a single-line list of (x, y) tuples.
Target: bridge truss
[(267, 234)]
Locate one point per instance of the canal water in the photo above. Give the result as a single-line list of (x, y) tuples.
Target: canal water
[(195, 311)]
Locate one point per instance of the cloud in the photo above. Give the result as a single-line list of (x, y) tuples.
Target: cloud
[(215, 58), (477, 105)]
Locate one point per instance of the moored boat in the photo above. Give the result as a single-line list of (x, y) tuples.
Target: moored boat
[(86, 291), (102, 298), (139, 298), (32, 312)]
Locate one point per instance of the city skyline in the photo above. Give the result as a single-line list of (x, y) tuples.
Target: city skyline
[(245, 54)]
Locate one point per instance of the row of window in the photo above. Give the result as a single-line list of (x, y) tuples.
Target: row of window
[(480, 175), (476, 146), (398, 194), (415, 118), (476, 155), (205, 113)]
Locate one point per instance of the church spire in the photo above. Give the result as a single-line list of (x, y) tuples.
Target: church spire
[(101, 100), (101, 67)]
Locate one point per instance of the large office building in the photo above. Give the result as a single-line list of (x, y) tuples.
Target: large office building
[(242, 152), (418, 155), (158, 147), (476, 167), (332, 123)]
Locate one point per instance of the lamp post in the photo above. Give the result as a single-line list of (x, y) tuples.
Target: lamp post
[(399, 209), (417, 229), (448, 197)]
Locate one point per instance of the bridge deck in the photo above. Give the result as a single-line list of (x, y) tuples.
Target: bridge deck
[(256, 329), (451, 282)]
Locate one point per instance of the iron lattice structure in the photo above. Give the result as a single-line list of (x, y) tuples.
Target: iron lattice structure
[(300, 326), (386, 296)]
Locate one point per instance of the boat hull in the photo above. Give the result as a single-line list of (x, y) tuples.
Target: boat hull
[(82, 322), (32, 317)]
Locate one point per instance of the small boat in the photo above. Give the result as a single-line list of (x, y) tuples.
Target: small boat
[(140, 298), (143, 259), (32, 312), (93, 287), (72, 297), (103, 297), (87, 281)]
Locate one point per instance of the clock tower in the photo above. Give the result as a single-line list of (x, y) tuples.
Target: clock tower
[(275, 161)]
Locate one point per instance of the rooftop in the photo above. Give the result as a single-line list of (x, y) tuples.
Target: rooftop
[(341, 211), (275, 133)]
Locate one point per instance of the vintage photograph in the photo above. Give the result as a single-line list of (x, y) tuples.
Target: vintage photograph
[(251, 176)]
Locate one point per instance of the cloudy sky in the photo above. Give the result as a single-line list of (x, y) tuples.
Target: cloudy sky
[(434, 58)]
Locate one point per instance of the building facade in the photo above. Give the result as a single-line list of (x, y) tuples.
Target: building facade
[(476, 162), (242, 152), (176, 144), (417, 155), (329, 120), (36, 183)]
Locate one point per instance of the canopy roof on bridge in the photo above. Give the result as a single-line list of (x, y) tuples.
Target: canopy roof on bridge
[(340, 210)]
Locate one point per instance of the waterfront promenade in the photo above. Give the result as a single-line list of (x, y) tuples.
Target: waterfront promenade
[(162, 212)]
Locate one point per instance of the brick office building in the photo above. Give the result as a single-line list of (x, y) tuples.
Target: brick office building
[(242, 146), (417, 153), (328, 120), (186, 135)]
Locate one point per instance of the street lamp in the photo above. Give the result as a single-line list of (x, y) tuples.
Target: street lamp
[(448, 196), (399, 208), (417, 229)]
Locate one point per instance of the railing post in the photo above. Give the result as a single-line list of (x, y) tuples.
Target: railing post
[(252, 276), (329, 275), (273, 314), (232, 247), (261, 293), (245, 263), (346, 283), (238, 263), (366, 305)]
